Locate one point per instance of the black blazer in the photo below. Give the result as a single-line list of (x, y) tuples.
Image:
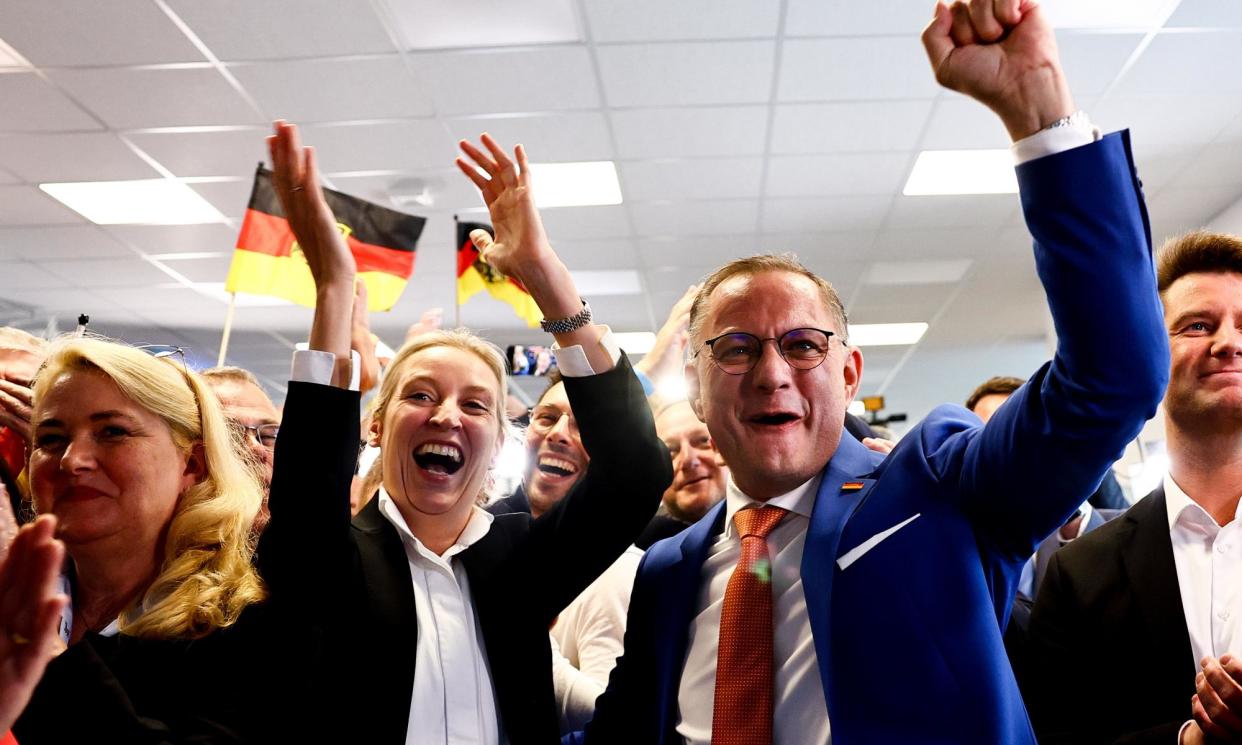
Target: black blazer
[(1110, 657), (353, 582)]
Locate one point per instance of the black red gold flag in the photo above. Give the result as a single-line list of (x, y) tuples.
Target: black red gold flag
[(474, 276), (268, 260)]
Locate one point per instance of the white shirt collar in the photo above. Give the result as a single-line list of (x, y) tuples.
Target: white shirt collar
[(799, 501), (1189, 513), (476, 527)]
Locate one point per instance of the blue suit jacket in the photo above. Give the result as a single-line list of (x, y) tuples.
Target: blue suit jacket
[(908, 636)]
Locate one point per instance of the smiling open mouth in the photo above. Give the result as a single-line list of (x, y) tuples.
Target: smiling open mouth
[(438, 458), (557, 467), (778, 418)]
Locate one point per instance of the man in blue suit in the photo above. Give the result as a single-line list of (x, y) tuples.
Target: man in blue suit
[(885, 583)]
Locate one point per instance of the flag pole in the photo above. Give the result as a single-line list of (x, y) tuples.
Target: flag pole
[(456, 298), (228, 328)]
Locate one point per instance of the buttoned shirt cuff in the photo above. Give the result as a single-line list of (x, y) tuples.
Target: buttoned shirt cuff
[(1182, 731), (573, 362), (316, 366), (1055, 140)]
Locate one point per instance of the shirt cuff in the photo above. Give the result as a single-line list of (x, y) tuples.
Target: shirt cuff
[(573, 362), (1055, 140), (316, 366), (1182, 731)]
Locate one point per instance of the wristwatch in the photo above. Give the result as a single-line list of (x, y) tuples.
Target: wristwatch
[(566, 325)]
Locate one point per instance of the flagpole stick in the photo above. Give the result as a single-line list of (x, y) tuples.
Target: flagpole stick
[(228, 329)]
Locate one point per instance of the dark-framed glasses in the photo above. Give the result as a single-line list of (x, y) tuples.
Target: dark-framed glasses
[(739, 352), (264, 434)]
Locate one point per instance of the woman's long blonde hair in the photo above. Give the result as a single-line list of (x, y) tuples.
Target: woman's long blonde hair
[(466, 341), (206, 577)]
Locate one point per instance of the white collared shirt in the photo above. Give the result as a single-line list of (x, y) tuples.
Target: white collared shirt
[(800, 714), (1208, 558), (453, 702)]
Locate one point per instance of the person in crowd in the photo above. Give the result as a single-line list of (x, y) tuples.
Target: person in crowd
[(255, 419), (429, 620), (20, 356), (133, 456), (699, 473), (1152, 597), (840, 595)]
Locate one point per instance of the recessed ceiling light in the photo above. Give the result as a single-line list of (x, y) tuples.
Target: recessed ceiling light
[(886, 334), (146, 202), (857, 408), (429, 24), (1065, 14), (634, 342), (613, 282), (931, 272), (11, 60), (941, 172), (575, 184)]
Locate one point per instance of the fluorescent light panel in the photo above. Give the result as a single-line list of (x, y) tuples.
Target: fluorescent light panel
[(634, 342), (430, 24), (11, 60), (614, 282), (931, 272), (575, 184), (1066, 14), (886, 334), (942, 172), (146, 202)]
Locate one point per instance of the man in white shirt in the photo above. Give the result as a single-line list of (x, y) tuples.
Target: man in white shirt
[(1154, 599)]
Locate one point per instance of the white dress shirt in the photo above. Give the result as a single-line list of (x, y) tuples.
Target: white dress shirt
[(1208, 558), (453, 702), (800, 714)]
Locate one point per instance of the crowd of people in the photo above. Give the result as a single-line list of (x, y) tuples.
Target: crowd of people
[(181, 561)]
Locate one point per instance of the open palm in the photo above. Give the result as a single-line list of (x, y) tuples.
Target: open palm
[(520, 239)]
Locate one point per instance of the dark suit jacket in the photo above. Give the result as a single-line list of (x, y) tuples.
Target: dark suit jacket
[(1110, 657), (353, 582), (910, 565)]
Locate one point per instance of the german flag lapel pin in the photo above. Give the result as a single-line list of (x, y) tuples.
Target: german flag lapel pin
[(851, 486)]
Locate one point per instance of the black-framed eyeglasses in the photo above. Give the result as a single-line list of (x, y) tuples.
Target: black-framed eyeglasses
[(738, 353), (264, 434)]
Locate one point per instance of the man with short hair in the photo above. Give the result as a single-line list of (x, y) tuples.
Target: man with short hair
[(1154, 598), (991, 393), (699, 474), (836, 595), (21, 354), (250, 410)]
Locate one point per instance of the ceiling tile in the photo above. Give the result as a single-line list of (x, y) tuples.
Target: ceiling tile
[(548, 138), (59, 242), (72, 157), (1191, 207), (224, 153), (828, 175), (31, 105), (835, 247), (716, 217), (959, 123), (695, 250), (494, 81), (841, 18), (26, 205), (397, 146), (1093, 60), (68, 300), (699, 178), (214, 269), (334, 90), (1190, 64), (177, 239), (449, 190), (952, 211), (675, 280), (1167, 124), (1217, 164), (729, 72), (585, 223), (939, 243), (1206, 13), (27, 275), (824, 214), (132, 98), (53, 33), (284, 29), (680, 133), (8, 178), (871, 68), (606, 254), (655, 20), (848, 127), (230, 197), (95, 273)]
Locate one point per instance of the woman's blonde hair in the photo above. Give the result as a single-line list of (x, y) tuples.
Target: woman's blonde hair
[(466, 341), (205, 578)]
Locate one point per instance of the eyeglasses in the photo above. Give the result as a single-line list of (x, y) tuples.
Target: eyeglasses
[(264, 434), (544, 419), (164, 351), (739, 352)]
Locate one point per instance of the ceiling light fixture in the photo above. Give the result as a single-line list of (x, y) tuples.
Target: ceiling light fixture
[(943, 172), (886, 334), (145, 202), (580, 184)]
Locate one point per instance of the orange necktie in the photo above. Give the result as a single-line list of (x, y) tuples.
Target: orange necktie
[(742, 713)]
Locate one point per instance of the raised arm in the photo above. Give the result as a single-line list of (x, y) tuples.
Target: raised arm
[(1045, 450)]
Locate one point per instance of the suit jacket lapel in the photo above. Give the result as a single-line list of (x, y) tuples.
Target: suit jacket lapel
[(1148, 558), (833, 509)]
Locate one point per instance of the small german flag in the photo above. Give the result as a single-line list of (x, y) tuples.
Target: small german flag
[(474, 276), (268, 260)]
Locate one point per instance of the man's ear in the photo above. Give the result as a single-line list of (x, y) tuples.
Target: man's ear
[(693, 392), (852, 372)]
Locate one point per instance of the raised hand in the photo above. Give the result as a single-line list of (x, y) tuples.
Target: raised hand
[(15, 407), (30, 607), (1002, 53), (665, 357), (520, 239), (296, 179)]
